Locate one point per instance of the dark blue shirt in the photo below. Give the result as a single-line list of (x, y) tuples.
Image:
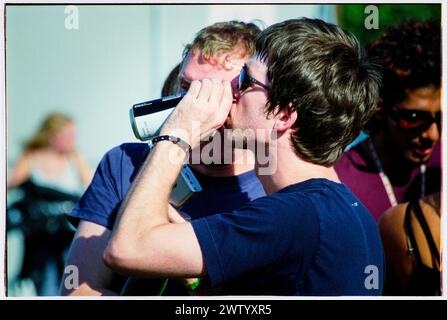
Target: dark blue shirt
[(119, 167), (310, 238)]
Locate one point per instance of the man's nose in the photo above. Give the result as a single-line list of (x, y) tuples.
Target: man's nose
[(432, 133)]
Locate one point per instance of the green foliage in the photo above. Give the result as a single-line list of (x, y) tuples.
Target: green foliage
[(352, 16)]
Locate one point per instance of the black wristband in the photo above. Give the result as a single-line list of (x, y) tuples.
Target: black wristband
[(176, 140)]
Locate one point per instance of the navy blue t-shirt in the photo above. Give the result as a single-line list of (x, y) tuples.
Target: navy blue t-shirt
[(119, 167), (113, 178), (310, 238)]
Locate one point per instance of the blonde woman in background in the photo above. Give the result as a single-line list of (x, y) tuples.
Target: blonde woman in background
[(50, 176), (51, 159)]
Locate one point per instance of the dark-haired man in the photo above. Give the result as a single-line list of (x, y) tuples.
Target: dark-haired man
[(401, 161), (305, 93)]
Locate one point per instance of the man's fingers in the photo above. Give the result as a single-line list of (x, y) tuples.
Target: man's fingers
[(194, 89), (227, 99), (205, 90), (216, 95)]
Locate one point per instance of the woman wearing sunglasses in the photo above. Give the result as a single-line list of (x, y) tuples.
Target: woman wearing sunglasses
[(400, 160)]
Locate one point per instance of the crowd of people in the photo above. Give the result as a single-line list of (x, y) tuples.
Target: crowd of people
[(326, 221)]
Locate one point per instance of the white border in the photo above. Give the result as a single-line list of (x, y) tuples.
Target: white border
[(279, 2), (444, 152), (3, 157), (3, 145)]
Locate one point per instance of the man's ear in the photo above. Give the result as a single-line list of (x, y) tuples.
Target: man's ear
[(232, 61), (285, 118)]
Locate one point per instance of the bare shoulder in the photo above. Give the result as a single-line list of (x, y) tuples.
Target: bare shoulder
[(392, 220), (20, 171), (431, 205), (37, 155), (26, 156), (391, 227)]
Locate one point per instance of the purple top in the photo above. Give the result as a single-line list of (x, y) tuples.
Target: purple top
[(358, 171)]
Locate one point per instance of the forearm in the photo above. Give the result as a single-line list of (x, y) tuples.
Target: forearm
[(146, 205)]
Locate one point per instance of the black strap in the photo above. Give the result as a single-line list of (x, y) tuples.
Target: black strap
[(411, 241), (425, 228), (176, 140)]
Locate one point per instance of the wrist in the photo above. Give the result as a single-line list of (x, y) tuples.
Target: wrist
[(189, 134), (181, 133), (164, 164), (172, 151), (173, 139)]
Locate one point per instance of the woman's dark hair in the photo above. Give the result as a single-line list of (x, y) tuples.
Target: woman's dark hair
[(171, 84), (410, 55), (319, 70)]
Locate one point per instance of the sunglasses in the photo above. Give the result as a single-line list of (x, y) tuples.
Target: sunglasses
[(415, 121), (245, 81)]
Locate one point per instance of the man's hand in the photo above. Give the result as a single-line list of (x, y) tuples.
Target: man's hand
[(203, 110), (145, 242)]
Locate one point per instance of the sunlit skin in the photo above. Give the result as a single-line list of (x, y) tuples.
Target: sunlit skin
[(245, 114), (415, 148), (225, 67), (395, 241), (195, 67)]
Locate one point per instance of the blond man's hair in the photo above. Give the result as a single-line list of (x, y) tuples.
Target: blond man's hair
[(224, 37)]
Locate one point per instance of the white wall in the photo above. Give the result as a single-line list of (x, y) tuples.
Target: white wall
[(120, 55), (93, 73)]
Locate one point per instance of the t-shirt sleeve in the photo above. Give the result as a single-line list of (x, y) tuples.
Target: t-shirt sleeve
[(101, 200), (255, 236)]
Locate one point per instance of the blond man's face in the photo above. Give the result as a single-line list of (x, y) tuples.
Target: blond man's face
[(225, 67)]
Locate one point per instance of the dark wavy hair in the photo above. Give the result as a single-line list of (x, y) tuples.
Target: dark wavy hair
[(323, 73), (171, 84), (410, 55)]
